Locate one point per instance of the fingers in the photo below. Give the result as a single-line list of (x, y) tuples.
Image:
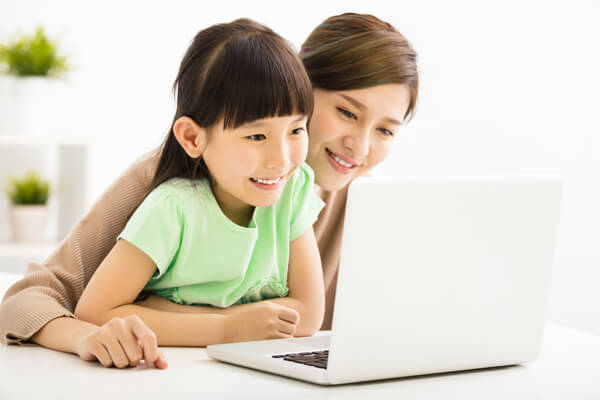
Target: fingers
[(102, 356), (161, 361), (131, 347), (122, 342), (289, 314), (286, 327), (148, 341), (116, 352)]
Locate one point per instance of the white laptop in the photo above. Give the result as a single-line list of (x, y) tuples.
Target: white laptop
[(436, 275)]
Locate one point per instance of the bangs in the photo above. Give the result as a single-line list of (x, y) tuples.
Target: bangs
[(255, 77)]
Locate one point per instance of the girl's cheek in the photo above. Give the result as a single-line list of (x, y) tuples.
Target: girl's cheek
[(242, 160), (299, 152)]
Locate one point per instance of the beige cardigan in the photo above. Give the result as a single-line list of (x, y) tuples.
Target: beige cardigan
[(51, 289)]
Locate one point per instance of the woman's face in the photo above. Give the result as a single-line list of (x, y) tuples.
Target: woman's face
[(352, 131)]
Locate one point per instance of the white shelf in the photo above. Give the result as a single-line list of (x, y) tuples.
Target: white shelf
[(35, 252), (24, 140)]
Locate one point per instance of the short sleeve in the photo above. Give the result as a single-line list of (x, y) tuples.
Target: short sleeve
[(306, 203), (156, 228)]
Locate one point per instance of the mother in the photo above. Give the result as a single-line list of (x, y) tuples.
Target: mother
[(365, 82)]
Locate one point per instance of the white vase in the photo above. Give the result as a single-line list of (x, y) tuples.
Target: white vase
[(28, 223), (35, 106)]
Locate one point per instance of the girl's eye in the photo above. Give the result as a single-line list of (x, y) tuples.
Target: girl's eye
[(386, 132), (298, 131), (258, 136), (346, 113)]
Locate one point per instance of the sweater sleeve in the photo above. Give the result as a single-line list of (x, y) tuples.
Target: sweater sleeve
[(51, 289)]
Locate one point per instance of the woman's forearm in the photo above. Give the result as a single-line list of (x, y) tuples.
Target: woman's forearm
[(170, 328), (63, 334)]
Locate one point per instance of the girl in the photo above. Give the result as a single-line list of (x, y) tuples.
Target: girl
[(231, 204), (365, 77)]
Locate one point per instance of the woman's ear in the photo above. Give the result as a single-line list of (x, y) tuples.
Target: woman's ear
[(191, 137)]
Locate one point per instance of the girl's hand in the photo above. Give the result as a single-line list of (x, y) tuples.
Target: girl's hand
[(260, 321), (121, 342)]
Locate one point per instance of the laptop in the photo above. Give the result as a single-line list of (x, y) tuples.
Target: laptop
[(436, 275)]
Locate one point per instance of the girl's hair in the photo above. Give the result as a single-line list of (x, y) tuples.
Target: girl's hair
[(356, 51), (238, 72)]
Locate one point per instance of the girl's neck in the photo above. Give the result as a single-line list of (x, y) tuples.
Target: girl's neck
[(238, 212)]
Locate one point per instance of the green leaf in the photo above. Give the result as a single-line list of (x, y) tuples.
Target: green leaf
[(31, 189), (33, 56)]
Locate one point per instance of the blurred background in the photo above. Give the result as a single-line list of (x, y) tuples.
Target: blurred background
[(506, 87)]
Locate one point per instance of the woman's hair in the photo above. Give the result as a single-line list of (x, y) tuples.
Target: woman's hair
[(236, 72), (356, 51)]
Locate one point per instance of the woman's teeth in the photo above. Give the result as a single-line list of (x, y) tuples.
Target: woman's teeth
[(266, 181), (340, 161)]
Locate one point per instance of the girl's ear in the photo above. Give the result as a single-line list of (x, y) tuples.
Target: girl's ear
[(191, 137)]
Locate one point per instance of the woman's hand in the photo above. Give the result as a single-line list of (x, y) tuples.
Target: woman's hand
[(260, 321), (121, 342)]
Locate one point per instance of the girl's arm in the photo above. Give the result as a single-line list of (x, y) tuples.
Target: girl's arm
[(115, 285), (124, 273), (305, 281)]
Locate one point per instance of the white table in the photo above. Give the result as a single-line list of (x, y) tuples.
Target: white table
[(569, 368)]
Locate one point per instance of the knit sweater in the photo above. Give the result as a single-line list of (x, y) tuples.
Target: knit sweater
[(51, 289)]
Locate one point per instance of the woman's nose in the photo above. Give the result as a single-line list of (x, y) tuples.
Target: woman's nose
[(357, 141)]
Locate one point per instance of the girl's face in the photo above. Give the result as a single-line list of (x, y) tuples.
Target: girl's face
[(250, 164), (352, 131)]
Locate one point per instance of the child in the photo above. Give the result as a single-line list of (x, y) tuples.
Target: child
[(228, 217)]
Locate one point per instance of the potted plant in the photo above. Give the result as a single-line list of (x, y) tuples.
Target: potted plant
[(29, 209), (32, 61)]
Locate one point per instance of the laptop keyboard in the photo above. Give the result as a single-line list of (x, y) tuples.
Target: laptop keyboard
[(311, 358)]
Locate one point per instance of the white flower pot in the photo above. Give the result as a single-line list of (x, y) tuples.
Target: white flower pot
[(35, 106), (28, 223)]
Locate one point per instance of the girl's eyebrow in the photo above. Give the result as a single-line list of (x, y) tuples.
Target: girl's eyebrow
[(362, 107)]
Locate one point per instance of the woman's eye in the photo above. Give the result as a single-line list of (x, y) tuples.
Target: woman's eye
[(386, 132), (346, 113), (298, 131), (258, 136)]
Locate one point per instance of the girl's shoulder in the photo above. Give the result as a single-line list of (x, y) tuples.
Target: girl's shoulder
[(180, 190), (304, 176)]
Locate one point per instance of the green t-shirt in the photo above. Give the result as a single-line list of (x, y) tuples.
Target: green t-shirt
[(204, 258)]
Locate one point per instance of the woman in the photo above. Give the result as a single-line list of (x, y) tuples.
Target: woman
[(365, 83)]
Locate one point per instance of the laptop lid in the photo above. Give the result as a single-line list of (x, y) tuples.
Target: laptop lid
[(442, 274)]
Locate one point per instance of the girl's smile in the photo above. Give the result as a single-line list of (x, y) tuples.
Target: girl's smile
[(269, 183), (261, 157)]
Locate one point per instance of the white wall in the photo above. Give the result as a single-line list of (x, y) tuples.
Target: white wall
[(506, 87)]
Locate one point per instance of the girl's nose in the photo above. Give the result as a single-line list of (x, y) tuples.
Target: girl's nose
[(357, 142), (278, 155)]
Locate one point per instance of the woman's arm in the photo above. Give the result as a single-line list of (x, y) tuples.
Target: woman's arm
[(121, 342), (39, 307)]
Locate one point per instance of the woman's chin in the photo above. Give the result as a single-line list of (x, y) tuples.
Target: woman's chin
[(331, 184)]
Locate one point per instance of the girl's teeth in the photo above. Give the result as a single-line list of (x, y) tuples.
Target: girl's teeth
[(267, 182)]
